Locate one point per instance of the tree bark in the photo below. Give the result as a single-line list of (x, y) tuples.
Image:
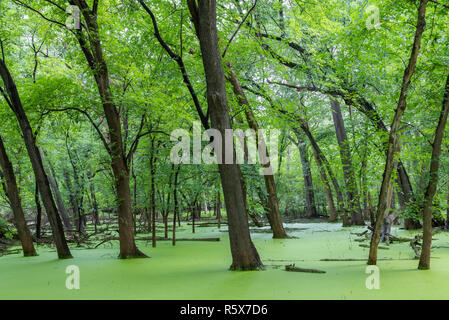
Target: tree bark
[(12, 192), (424, 261), (346, 161), (393, 135), (244, 253), (15, 104)]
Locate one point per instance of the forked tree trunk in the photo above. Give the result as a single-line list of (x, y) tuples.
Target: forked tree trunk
[(424, 261), (36, 162), (393, 135), (244, 253), (346, 162), (13, 195)]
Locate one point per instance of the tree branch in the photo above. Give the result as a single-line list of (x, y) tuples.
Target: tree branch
[(102, 138), (238, 28)]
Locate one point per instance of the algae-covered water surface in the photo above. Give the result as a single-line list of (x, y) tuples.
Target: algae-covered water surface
[(199, 270)]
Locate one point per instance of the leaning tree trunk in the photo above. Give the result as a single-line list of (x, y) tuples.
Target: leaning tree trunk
[(13, 195), (424, 261), (274, 216), (244, 253), (346, 161), (36, 161), (393, 135), (307, 174)]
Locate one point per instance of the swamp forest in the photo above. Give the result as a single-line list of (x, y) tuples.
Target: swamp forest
[(216, 150)]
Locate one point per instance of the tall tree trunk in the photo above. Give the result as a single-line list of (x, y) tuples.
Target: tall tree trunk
[(346, 161), (13, 195), (119, 162), (15, 104), (307, 174), (393, 135), (424, 261), (244, 253)]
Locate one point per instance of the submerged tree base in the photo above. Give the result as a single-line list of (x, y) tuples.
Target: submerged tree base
[(30, 254), (250, 267), (136, 255), (65, 256)]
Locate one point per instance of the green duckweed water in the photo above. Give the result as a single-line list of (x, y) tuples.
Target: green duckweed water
[(198, 270)]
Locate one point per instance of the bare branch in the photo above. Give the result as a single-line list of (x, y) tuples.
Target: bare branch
[(238, 28)]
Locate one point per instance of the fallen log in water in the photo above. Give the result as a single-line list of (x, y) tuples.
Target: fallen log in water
[(367, 246), (293, 268)]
